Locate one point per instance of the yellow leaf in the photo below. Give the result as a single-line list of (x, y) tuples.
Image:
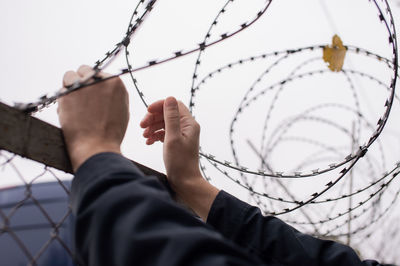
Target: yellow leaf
[(334, 55)]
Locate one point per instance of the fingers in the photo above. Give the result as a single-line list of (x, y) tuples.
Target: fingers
[(171, 118), (156, 107), (70, 77), (151, 119), (154, 132), (153, 128), (164, 115), (157, 136), (85, 72), (183, 110), (156, 113)]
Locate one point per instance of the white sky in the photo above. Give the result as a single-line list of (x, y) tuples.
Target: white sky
[(42, 39)]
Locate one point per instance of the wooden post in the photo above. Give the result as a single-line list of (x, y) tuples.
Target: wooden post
[(37, 140)]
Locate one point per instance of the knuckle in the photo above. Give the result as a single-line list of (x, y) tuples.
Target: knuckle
[(172, 115), (196, 126), (68, 76), (86, 70), (69, 73), (173, 141), (119, 84), (82, 67), (118, 81)]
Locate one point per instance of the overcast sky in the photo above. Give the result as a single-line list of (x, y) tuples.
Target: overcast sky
[(42, 39)]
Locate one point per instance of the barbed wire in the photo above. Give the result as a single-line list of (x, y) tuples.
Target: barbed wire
[(45, 100), (268, 186), (246, 176)]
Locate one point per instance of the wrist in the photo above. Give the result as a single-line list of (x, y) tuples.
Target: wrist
[(198, 194), (186, 183), (80, 151)]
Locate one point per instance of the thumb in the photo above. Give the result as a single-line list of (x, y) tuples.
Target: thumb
[(171, 118)]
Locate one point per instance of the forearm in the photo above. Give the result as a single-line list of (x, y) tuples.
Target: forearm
[(124, 218), (108, 208), (82, 151), (171, 122), (274, 240), (198, 195)]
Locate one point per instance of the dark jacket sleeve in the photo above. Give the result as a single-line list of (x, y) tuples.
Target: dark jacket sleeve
[(273, 240), (125, 218)]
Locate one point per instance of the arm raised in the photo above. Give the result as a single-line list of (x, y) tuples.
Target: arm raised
[(170, 121)]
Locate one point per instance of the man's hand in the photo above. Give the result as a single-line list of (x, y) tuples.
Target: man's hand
[(93, 119), (170, 122)]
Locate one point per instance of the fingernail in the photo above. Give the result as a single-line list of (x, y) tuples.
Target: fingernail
[(171, 102)]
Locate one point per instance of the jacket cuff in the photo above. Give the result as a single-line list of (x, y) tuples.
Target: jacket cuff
[(227, 213), (97, 169)]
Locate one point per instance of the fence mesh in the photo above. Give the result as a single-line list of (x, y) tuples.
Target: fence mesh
[(35, 217), (349, 185)]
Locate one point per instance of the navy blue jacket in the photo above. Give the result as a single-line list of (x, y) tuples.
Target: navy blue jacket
[(126, 218)]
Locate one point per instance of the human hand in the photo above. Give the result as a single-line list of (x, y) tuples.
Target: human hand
[(93, 119), (170, 121)]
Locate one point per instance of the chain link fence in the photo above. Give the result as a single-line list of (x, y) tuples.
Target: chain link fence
[(36, 222), (35, 217)]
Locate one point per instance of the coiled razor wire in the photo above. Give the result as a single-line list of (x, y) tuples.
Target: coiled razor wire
[(135, 22), (246, 176), (378, 184), (324, 212)]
